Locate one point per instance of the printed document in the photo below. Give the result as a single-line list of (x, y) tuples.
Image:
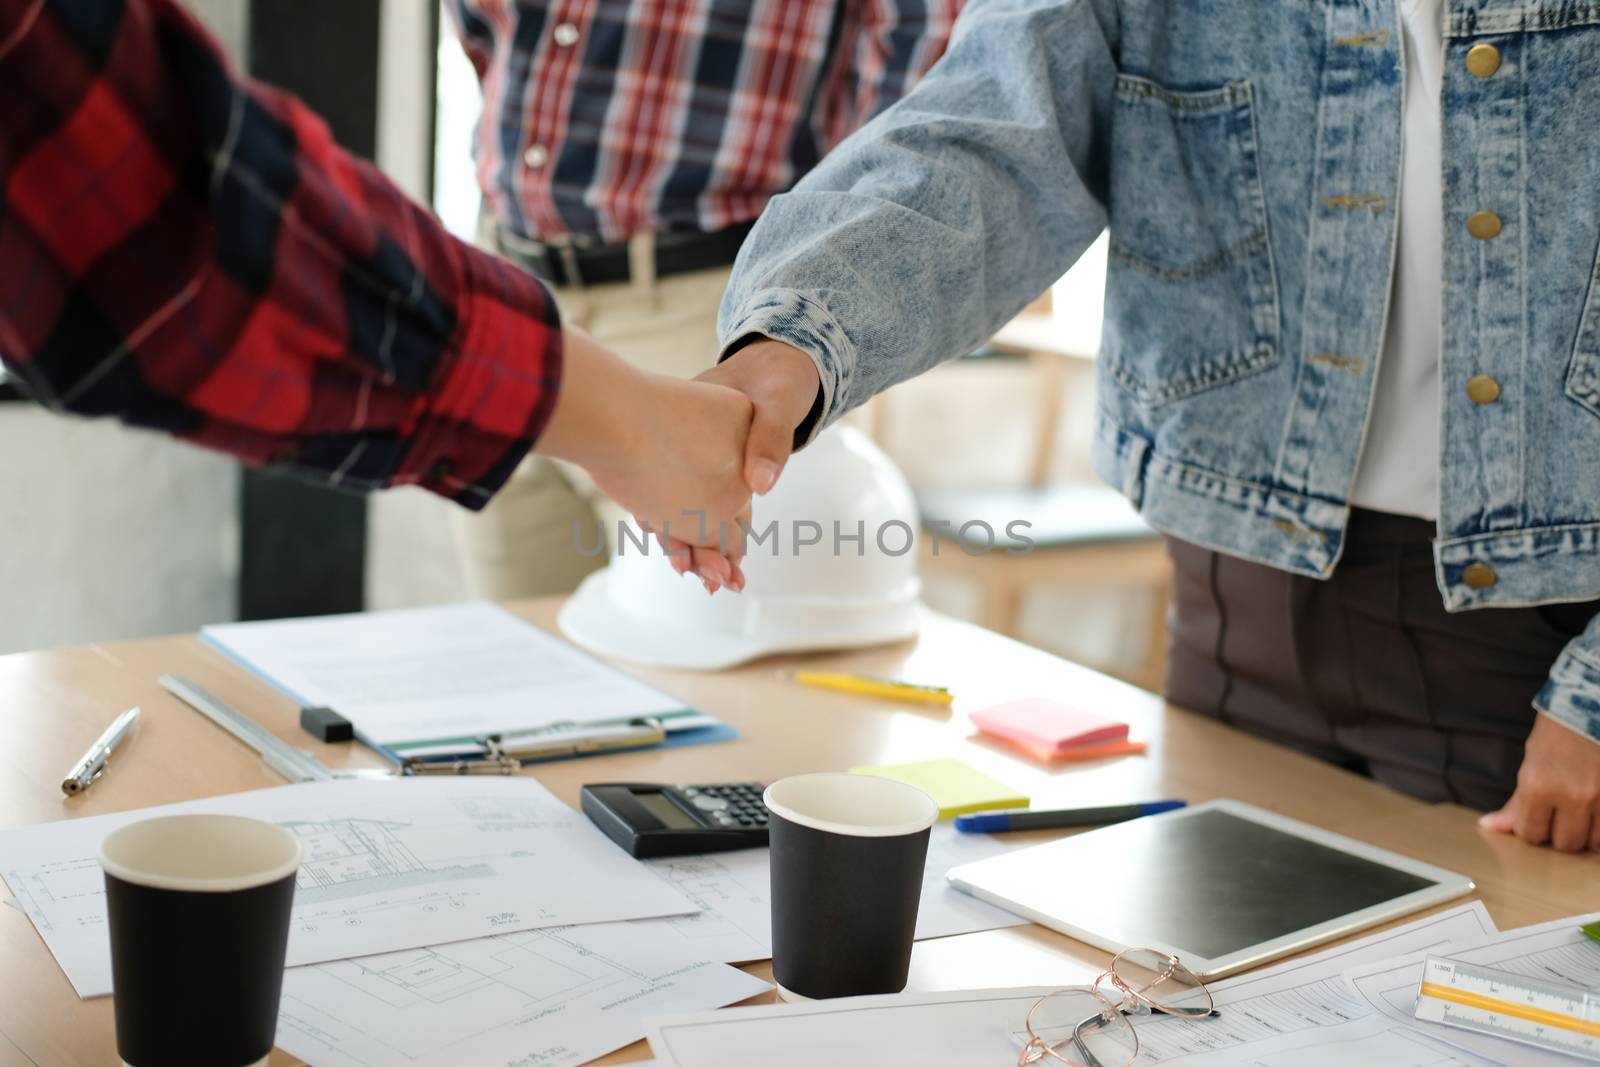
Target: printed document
[(1350, 1004), (388, 865), (1296, 1014), (1364, 1014), (1284, 1010), (430, 674), (1555, 951), (547, 997)]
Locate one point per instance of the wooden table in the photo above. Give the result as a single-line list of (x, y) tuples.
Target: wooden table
[(52, 704)]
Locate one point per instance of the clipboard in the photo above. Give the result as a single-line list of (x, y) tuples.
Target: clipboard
[(493, 717)]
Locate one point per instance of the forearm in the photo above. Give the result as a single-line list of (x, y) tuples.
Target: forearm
[(668, 451), (1572, 694), (921, 234), (597, 422), (190, 252)]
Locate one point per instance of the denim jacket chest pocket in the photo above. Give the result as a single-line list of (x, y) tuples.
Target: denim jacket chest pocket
[(1188, 237)]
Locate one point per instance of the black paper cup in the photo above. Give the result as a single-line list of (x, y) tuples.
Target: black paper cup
[(199, 916), (847, 858)]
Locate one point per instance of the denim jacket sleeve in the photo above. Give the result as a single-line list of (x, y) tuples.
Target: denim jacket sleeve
[(1572, 694), (931, 226)]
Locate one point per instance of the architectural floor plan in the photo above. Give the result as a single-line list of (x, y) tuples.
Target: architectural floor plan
[(388, 865), (546, 997)]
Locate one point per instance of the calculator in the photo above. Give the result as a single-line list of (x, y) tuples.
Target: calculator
[(677, 820)]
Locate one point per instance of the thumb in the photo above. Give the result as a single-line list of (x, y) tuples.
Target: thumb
[(1497, 821), (766, 450)]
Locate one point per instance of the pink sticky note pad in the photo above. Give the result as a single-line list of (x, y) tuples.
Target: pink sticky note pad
[(1046, 728)]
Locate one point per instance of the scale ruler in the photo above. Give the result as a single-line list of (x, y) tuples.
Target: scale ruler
[(1549, 1015), (282, 757)]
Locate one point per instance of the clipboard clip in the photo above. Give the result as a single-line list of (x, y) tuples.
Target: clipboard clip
[(507, 753), (493, 761)]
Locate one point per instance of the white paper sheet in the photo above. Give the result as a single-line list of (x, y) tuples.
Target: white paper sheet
[(388, 865), (974, 1029), (735, 891), (970, 1029), (1292, 1015), (545, 997), (424, 674), (1554, 951)]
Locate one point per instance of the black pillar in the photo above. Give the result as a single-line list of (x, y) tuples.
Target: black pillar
[(303, 547)]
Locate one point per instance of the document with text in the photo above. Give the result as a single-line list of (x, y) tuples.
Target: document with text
[(1297, 1014), (1290, 1008), (1555, 951)]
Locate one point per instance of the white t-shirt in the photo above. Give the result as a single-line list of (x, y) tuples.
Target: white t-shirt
[(1399, 469)]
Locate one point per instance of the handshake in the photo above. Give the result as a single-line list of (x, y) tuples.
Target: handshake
[(684, 457)]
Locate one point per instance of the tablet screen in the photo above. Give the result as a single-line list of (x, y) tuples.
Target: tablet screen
[(1213, 883)]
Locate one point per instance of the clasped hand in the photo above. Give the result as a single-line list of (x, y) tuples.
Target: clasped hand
[(781, 385), (683, 457), (688, 486), (676, 454)]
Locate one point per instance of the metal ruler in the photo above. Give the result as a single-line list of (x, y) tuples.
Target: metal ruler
[(1535, 1011), (293, 764)]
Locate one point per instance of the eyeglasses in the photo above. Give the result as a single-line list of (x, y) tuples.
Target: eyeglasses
[(1091, 1026)]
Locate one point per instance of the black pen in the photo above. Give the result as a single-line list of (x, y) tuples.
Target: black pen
[(998, 822)]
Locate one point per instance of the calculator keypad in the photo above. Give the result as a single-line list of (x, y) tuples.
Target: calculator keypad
[(730, 806)]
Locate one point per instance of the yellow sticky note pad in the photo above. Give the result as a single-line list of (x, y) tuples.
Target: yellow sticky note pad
[(955, 786)]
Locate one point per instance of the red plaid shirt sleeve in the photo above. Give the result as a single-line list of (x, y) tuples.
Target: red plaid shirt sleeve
[(188, 251)]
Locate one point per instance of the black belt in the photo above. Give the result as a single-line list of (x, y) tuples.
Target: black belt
[(577, 264)]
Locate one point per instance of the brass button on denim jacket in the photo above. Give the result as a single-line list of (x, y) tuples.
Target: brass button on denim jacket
[(1245, 155)]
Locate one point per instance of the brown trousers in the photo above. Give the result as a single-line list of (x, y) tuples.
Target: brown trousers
[(1366, 669)]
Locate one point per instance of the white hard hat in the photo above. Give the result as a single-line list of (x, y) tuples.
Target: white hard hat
[(832, 563)]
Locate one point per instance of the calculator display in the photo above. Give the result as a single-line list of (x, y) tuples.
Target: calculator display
[(674, 817)]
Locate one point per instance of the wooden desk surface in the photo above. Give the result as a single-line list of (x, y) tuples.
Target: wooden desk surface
[(55, 703)]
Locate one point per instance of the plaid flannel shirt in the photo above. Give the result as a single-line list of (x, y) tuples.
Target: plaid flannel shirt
[(607, 118), (189, 251)]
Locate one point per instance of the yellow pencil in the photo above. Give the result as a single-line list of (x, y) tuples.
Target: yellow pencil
[(875, 687)]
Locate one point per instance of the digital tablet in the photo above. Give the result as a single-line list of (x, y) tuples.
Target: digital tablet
[(1221, 885)]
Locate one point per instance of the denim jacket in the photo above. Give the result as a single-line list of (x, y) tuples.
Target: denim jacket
[(1245, 155)]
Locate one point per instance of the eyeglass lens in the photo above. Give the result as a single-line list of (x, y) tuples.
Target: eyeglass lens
[(1077, 1027), (1161, 982)]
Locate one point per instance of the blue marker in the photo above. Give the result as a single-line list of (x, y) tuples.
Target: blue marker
[(998, 822)]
